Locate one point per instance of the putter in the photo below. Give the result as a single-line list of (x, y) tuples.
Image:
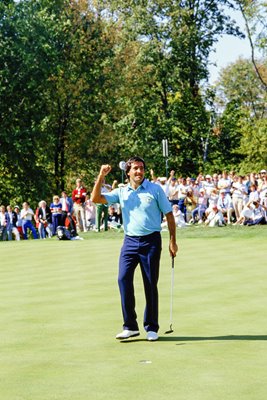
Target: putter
[(171, 307)]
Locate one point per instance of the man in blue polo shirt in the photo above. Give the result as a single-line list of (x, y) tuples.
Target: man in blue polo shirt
[(142, 203)]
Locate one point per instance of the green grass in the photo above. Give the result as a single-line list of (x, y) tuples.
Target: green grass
[(60, 312)]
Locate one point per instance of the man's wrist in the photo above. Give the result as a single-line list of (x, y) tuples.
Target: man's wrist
[(101, 177)]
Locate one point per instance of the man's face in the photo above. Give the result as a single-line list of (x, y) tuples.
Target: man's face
[(137, 172)]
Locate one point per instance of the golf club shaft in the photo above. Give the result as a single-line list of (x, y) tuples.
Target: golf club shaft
[(172, 288)]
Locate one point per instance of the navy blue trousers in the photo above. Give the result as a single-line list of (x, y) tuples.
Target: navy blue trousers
[(146, 251)]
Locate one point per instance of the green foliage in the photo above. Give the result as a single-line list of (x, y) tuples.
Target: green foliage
[(84, 83), (242, 126)]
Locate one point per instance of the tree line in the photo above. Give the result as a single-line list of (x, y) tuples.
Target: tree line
[(86, 82)]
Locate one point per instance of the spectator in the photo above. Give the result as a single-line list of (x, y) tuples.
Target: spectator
[(225, 205), (182, 192), (257, 216), (3, 224), (56, 211), (212, 200), (195, 188), (264, 205), (190, 203), (19, 220), (44, 217), (173, 189), (208, 185), (102, 209), (239, 194), (199, 211), (225, 182), (78, 197), (90, 212), (261, 176), (253, 193), (178, 218), (215, 179), (114, 219), (252, 179), (162, 181), (215, 217), (262, 188), (26, 216), (67, 211), (11, 218)]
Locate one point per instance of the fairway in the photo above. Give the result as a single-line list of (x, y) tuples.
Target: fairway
[(60, 312)]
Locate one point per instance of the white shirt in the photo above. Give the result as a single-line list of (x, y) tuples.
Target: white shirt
[(2, 219)]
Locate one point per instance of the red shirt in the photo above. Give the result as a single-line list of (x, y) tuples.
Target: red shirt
[(78, 195)]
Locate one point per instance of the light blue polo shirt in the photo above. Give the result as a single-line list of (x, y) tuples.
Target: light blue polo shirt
[(141, 208)]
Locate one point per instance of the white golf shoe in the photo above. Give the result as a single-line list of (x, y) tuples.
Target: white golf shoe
[(126, 334), (152, 336)]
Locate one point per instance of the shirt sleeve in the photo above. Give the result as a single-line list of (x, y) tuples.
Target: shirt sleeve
[(113, 196), (163, 202)]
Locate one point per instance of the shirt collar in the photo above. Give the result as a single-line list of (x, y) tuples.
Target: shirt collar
[(143, 185)]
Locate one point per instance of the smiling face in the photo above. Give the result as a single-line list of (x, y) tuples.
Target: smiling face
[(136, 173)]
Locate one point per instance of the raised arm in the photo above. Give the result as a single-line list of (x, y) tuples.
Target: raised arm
[(96, 195)]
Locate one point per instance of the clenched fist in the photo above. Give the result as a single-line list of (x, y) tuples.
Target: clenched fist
[(105, 169)]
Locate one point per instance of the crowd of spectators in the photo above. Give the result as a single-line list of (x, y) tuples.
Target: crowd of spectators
[(212, 200), (217, 200)]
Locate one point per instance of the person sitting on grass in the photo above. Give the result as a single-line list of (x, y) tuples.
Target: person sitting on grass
[(178, 218), (215, 218), (257, 215), (114, 219)]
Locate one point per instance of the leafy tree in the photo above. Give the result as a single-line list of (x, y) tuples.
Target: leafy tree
[(255, 14), (242, 102), (53, 72), (171, 42)]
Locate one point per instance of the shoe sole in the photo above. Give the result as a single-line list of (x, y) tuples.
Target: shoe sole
[(128, 337)]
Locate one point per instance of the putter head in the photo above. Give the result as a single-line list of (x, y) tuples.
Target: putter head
[(169, 331)]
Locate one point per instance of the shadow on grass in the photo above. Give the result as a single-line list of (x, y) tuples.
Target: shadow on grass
[(184, 339), (209, 338)]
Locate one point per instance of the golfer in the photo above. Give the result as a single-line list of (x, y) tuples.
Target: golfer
[(142, 203)]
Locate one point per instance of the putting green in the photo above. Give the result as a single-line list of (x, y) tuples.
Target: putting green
[(60, 312)]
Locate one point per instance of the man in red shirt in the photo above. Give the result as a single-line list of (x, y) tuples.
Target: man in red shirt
[(78, 197)]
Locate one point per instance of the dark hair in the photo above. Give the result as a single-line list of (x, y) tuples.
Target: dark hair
[(132, 160)]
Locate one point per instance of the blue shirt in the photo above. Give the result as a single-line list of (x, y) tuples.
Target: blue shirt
[(141, 208)]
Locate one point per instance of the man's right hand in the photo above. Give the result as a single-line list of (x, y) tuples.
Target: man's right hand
[(105, 169)]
